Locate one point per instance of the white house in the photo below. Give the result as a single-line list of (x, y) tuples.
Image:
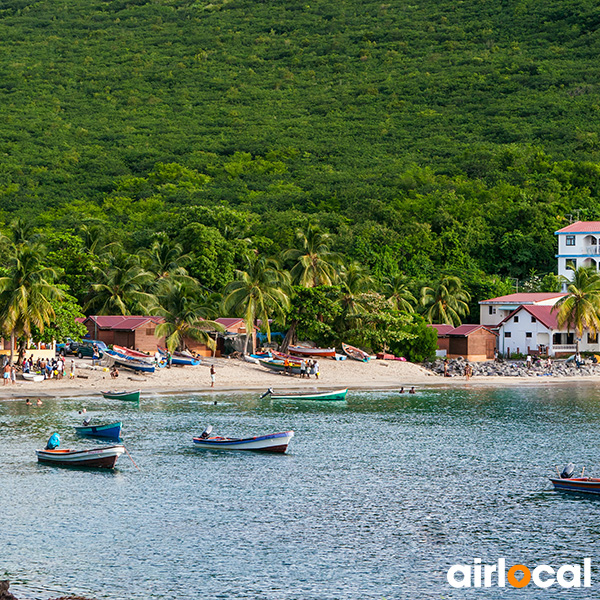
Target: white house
[(533, 329), (578, 246), (495, 310)]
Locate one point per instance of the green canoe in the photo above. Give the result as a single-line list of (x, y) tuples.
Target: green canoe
[(334, 395), (130, 396)]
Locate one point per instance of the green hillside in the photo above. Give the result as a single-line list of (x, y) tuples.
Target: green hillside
[(427, 137)]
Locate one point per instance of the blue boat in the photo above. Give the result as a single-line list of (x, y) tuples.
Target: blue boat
[(130, 363), (180, 359), (109, 430)]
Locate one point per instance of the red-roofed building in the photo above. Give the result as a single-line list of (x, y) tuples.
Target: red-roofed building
[(135, 332), (535, 330), (472, 342), (578, 246), (495, 310)]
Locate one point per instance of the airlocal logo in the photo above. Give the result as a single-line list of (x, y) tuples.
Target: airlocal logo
[(519, 576)]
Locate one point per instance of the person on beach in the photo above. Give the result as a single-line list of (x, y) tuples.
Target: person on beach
[(316, 368), (114, 373), (446, 367), (528, 361), (212, 376), (6, 373), (95, 355), (302, 369), (72, 370), (13, 374), (468, 371)]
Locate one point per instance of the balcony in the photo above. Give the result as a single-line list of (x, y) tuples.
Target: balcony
[(564, 347), (592, 250)]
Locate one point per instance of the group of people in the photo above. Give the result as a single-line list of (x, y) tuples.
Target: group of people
[(9, 374), (411, 391), (307, 368), (51, 369), (29, 403)]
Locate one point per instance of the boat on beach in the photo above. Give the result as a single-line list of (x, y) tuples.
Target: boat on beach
[(272, 442), (278, 365), (35, 377), (135, 354), (133, 396), (356, 353), (281, 356), (104, 457), (332, 395), (308, 351), (179, 358), (107, 430), (128, 362)]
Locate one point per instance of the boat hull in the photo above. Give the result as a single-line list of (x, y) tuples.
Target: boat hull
[(274, 442), (356, 353), (130, 363), (306, 351), (583, 485), (35, 377), (128, 396), (96, 458), (278, 366), (135, 354), (110, 430), (334, 395)]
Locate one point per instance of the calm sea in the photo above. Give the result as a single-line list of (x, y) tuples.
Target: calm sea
[(376, 498)]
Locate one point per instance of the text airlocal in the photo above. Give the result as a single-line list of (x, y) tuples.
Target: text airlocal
[(480, 575)]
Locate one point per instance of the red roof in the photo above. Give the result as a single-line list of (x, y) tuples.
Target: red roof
[(122, 322), (546, 315), (528, 298), (468, 329), (581, 227), (442, 329)]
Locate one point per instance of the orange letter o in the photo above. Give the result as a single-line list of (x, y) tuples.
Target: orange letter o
[(516, 582)]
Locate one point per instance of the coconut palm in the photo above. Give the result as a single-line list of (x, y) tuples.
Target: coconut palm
[(354, 281), (259, 292), (315, 261), (397, 289), (580, 309), (26, 292), (181, 305), (446, 302), (165, 259), (120, 287)]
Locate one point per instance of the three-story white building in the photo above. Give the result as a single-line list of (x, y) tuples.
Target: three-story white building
[(578, 246)]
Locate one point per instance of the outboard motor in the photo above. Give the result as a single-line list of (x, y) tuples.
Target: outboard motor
[(87, 421), (267, 393), (567, 472), (53, 442), (206, 432)]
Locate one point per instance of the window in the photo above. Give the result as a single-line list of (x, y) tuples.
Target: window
[(149, 331), (516, 319), (533, 320), (490, 310), (528, 334), (507, 334), (592, 338), (570, 240), (571, 263)]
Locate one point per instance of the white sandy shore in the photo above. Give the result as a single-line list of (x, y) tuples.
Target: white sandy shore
[(237, 375)]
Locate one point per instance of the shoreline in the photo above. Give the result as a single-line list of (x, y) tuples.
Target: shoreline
[(234, 376)]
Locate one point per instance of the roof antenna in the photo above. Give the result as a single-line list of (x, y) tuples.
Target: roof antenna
[(570, 218)]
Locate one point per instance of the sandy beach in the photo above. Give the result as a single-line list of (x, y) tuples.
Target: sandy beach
[(238, 375)]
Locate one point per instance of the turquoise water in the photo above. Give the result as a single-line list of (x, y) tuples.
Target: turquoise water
[(376, 498)]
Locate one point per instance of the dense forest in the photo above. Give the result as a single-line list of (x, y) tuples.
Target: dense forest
[(426, 141)]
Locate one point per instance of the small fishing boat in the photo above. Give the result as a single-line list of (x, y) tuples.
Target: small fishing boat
[(130, 363), (356, 353), (333, 395), (272, 442), (35, 377), (135, 354), (308, 351), (386, 356), (290, 357), (179, 358), (255, 358), (567, 483), (278, 365), (104, 457), (129, 396), (108, 430)]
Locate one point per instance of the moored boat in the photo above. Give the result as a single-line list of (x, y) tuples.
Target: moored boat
[(133, 396), (272, 442), (585, 485), (104, 457), (279, 366), (108, 430), (332, 395), (308, 351), (356, 353)]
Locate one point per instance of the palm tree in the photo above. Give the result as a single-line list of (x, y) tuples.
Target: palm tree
[(446, 302), (397, 289), (26, 292), (121, 286), (315, 262), (180, 304), (258, 293), (355, 280), (165, 259), (580, 309)]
